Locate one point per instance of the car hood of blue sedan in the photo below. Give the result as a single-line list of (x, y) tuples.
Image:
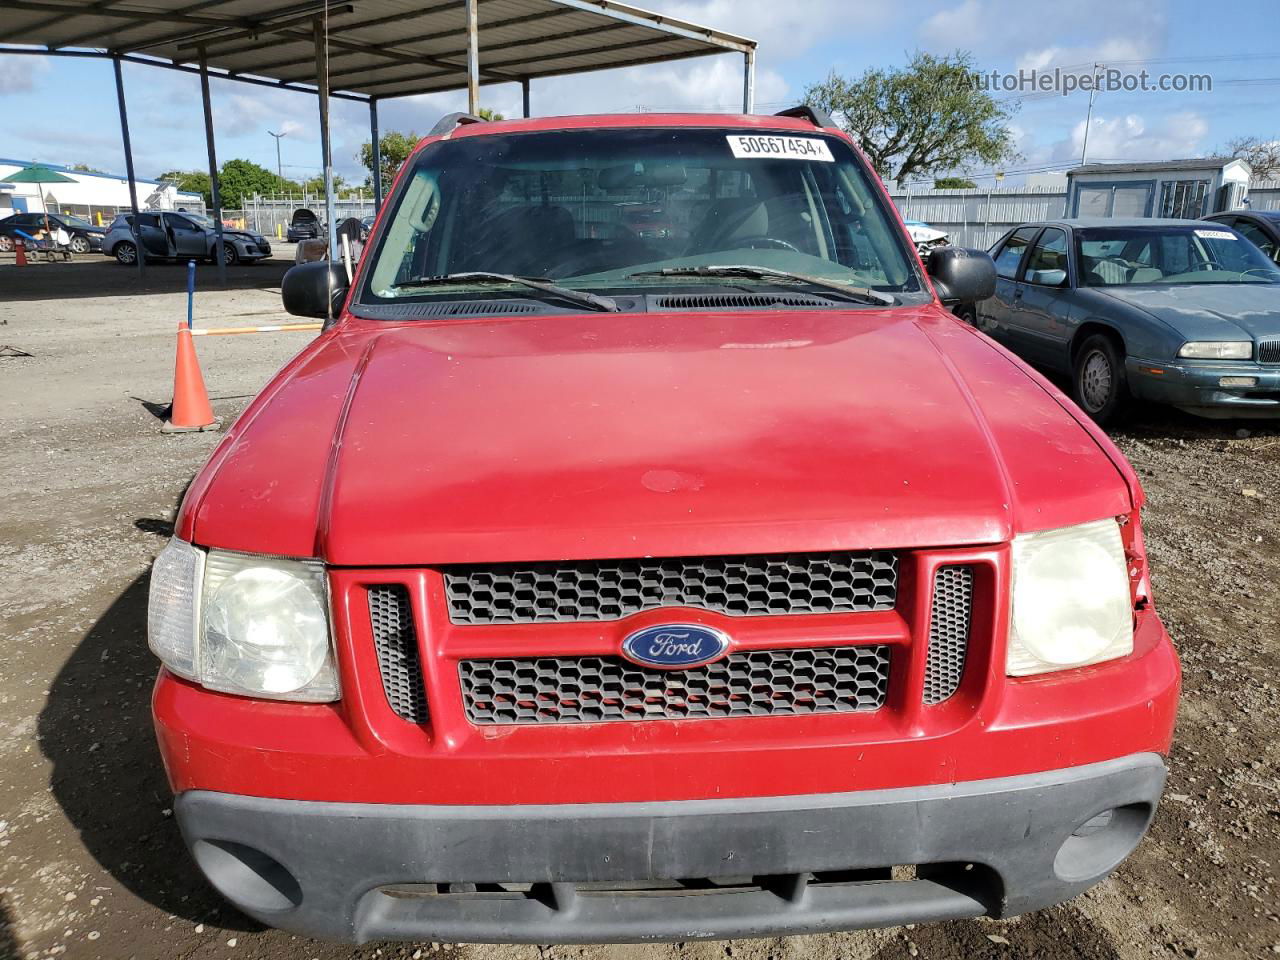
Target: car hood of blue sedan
[(1207, 311)]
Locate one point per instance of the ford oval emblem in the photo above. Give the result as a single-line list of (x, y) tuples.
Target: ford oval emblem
[(675, 646)]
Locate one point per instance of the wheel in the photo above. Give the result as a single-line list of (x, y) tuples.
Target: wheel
[(6, 243), (1098, 378), (79, 244), (967, 312), (229, 255), (126, 252)]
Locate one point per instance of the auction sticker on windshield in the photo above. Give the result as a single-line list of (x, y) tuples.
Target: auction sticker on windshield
[(749, 146)]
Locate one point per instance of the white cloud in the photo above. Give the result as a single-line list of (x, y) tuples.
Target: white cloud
[(1132, 137), (964, 26), (18, 74), (784, 30)]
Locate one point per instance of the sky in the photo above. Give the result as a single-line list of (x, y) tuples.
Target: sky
[(61, 110)]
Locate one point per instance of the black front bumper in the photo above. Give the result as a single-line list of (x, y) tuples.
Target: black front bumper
[(749, 867)]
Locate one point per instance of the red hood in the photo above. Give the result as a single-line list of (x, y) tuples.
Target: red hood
[(616, 436)]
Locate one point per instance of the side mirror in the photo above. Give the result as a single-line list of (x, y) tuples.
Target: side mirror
[(962, 276), (315, 289), (1048, 278)]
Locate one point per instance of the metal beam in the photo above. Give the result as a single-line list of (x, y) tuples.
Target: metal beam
[(219, 248), (322, 79), (376, 155), (524, 96), (653, 21), (525, 61), (139, 23), (50, 21), (473, 57), (508, 45), (438, 35), (181, 68), (749, 81), (128, 168), (269, 26)]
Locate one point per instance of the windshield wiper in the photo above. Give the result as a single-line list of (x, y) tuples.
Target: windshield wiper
[(580, 297), (848, 291)]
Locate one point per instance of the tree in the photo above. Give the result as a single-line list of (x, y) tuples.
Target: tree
[(954, 183), (928, 117), (1262, 155), (395, 148), (484, 113), (239, 180), (83, 167)]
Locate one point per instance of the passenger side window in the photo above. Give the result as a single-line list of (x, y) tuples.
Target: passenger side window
[(1047, 262), (1011, 253)]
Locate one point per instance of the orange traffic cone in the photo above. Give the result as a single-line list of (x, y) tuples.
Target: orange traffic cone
[(20, 251), (191, 410)]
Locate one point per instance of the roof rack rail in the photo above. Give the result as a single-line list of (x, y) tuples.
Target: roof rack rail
[(815, 115), (452, 120)]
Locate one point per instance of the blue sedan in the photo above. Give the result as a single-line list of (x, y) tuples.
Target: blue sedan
[(1181, 312)]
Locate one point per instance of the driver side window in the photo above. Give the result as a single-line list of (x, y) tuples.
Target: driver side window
[(1011, 253)]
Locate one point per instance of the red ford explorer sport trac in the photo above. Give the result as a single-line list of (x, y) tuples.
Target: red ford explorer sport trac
[(598, 577)]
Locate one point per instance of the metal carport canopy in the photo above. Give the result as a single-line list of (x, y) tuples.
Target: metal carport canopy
[(377, 48)]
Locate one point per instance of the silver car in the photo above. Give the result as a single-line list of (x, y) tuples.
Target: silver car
[(1181, 312), (180, 236)]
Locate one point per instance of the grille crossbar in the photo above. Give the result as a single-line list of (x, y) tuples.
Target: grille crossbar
[(733, 585), (743, 684)]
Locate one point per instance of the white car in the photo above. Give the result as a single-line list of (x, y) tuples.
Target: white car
[(925, 237)]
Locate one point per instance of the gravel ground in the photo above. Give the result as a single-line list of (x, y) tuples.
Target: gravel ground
[(90, 861)]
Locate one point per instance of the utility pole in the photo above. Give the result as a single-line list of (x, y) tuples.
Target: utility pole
[(279, 167), (1088, 117)]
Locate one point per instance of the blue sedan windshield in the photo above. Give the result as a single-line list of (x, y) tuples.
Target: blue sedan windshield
[(1207, 253)]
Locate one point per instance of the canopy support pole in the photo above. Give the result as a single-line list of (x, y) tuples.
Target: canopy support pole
[(473, 58), (219, 245), (322, 77), (524, 96), (136, 228), (748, 81), (376, 154)]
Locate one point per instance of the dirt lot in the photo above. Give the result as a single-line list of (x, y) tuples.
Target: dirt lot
[(90, 860)]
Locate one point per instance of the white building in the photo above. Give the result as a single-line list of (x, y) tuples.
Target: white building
[(1169, 188), (91, 195)]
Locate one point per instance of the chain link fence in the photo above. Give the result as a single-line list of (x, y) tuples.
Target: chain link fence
[(270, 216)]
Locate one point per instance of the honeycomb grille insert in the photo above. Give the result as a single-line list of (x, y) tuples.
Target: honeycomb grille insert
[(951, 612), (396, 641), (612, 589), (757, 683)]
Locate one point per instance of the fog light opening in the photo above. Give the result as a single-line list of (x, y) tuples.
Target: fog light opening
[(1101, 842), (1237, 381), (247, 877)]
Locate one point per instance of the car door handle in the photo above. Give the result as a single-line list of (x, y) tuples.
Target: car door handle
[(1017, 294)]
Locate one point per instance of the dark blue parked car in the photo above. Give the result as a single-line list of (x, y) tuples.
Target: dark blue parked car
[(1182, 312)]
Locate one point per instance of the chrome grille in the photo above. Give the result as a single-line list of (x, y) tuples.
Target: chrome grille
[(611, 589), (396, 641), (1269, 351), (948, 632), (744, 684)]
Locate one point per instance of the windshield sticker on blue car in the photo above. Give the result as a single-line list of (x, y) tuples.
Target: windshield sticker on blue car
[(1215, 235), (751, 147)]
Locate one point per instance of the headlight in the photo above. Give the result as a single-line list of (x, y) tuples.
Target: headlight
[(1217, 350), (251, 625), (1071, 599)]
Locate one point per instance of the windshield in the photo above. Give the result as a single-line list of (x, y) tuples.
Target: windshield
[(198, 220), (1121, 256), (591, 209), (71, 221)]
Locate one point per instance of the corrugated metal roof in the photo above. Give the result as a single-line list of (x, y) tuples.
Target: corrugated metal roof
[(377, 48)]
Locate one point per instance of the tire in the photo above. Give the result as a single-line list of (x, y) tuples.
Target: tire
[(1098, 382), (968, 313), (79, 244), (126, 253), (6, 243), (229, 255)]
